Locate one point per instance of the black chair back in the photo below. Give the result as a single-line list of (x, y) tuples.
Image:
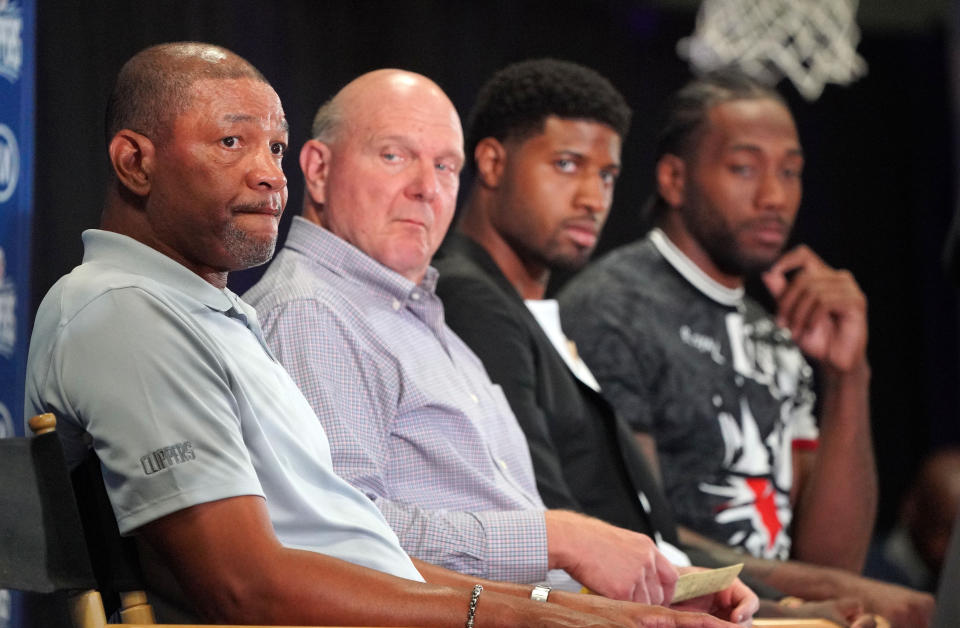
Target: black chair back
[(43, 548), (115, 562)]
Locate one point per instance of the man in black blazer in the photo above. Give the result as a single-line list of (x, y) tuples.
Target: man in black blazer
[(544, 140), (484, 281)]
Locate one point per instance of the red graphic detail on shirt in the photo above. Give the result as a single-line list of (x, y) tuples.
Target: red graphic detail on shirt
[(764, 493)]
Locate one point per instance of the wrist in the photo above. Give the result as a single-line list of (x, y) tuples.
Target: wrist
[(561, 526), (858, 372)]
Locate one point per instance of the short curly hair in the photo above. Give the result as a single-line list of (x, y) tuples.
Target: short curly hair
[(517, 100)]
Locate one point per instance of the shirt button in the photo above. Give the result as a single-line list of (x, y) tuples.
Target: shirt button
[(396, 304), (474, 398), (502, 463), (415, 296)]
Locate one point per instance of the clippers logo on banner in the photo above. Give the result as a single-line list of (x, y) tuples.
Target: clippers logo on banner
[(11, 41), (17, 75), (6, 422), (9, 163)]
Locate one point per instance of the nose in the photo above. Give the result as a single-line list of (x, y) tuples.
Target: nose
[(772, 192), (425, 185), (265, 172), (593, 193)]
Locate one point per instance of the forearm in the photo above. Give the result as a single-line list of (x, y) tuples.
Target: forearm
[(790, 577), (340, 593), (327, 591), (837, 502), (240, 574), (501, 545), (617, 612)]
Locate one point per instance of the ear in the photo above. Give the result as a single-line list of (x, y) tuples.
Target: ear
[(491, 158), (671, 179), (315, 164), (132, 156)]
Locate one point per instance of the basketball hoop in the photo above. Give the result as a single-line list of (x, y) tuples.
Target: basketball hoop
[(811, 42)]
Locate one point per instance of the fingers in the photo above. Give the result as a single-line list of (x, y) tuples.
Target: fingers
[(650, 588), (800, 257), (864, 621), (657, 578), (614, 562), (666, 574), (823, 308), (833, 290), (778, 277), (849, 607), (747, 604), (698, 620)]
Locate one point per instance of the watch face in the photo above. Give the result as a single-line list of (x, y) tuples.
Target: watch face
[(540, 593)]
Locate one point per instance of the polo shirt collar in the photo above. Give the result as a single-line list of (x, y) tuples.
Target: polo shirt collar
[(114, 249)]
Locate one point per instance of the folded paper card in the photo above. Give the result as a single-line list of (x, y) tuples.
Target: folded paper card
[(697, 583)]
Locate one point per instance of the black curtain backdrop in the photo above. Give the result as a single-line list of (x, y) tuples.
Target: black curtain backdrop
[(878, 183)]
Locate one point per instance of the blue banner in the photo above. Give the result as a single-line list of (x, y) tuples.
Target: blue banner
[(17, 76)]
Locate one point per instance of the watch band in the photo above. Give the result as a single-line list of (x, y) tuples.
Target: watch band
[(540, 593)]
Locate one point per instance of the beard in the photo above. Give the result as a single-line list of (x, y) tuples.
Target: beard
[(559, 259), (247, 250), (722, 241), (553, 255)]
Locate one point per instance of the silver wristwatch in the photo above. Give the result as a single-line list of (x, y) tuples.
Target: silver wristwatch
[(540, 593)]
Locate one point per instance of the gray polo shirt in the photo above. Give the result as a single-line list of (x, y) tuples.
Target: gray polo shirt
[(170, 380)]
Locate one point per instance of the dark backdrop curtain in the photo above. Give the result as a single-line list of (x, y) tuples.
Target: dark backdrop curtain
[(878, 193)]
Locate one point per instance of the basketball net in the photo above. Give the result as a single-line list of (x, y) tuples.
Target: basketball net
[(811, 42)]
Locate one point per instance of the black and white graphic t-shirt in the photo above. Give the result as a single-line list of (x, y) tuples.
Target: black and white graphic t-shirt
[(706, 371)]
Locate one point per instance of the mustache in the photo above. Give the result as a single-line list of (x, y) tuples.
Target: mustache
[(263, 207), (765, 221), (588, 220)]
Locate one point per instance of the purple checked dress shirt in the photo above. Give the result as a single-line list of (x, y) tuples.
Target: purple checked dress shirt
[(413, 420)]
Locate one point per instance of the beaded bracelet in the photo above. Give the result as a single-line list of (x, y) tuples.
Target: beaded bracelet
[(474, 598)]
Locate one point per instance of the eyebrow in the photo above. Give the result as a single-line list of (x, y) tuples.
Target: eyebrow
[(245, 117), (753, 148), (407, 141), (582, 156)]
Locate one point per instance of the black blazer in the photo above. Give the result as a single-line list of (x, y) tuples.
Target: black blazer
[(584, 455)]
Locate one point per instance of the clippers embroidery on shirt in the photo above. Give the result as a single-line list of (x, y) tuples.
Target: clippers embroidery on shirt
[(166, 457)]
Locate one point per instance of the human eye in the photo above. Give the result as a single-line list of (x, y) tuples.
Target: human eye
[(447, 167), (278, 148), (565, 164), (793, 170), (609, 177), (743, 170), (391, 156), (229, 141)]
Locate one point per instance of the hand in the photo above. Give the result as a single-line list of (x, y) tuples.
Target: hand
[(611, 561), (822, 307), (640, 615), (846, 611), (902, 607), (737, 603)]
